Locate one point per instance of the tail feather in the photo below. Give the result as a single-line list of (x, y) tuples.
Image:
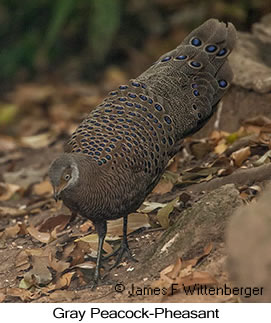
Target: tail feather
[(192, 78)]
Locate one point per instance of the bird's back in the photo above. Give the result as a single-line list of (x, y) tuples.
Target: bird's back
[(136, 129)]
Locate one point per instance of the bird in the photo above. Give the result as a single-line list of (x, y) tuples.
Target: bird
[(118, 153)]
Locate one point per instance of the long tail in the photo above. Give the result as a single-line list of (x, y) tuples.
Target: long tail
[(191, 79)]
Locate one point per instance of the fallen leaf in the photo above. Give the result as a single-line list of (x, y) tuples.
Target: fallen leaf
[(135, 222), (92, 241), (148, 207), (163, 214), (263, 160), (25, 176), (240, 156), (43, 188), (7, 144), (44, 237), (37, 141), (22, 261), (23, 294), (86, 265), (58, 265), (64, 280), (163, 187), (60, 221), (220, 148), (2, 297), (85, 227), (7, 190), (11, 232), (39, 274)]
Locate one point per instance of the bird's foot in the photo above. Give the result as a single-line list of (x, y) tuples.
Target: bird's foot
[(123, 249)]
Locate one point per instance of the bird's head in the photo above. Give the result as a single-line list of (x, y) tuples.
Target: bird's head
[(63, 173)]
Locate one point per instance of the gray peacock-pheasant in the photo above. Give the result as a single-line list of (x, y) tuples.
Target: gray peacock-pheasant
[(119, 152)]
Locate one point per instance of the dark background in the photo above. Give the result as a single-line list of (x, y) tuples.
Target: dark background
[(78, 39)]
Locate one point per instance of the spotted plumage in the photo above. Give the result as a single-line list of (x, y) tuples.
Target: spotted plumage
[(122, 147)]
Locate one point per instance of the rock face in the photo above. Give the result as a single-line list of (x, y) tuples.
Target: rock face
[(249, 247), (197, 226)]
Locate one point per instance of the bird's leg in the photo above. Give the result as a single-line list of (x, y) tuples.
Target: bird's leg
[(101, 228), (124, 248)]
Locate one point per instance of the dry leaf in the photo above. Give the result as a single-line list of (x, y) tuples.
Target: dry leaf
[(148, 207), (39, 274), (264, 159), (240, 156), (43, 188), (2, 297), (11, 232), (92, 241), (22, 261), (220, 148), (23, 294), (44, 237), (85, 227), (7, 190), (25, 176), (164, 186), (64, 280), (58, 265), (163, 214), (135, 222), (38, 141), (60, 221)]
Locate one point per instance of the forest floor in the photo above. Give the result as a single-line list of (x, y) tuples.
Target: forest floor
[(46, 256)]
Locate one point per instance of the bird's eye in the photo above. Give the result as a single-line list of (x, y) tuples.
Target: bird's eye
[(67, 177)]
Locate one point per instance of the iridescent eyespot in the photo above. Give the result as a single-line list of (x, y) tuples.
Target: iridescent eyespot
[(167, 119), (222, 52), (181, 57), (194, 106), (199, 115), (113, 93), (123, 87), (165, 59), (132, 95), (194, 85), (158, 107), (135, 84), (170, 141), (196, 42), (222, 83), (211, 48), (195, 64), (196, 92), (143, 97), (122, 99)]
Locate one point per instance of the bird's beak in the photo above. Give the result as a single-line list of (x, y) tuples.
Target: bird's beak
[(56, 194)]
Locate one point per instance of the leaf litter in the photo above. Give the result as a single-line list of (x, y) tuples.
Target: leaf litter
[(62, 253)]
